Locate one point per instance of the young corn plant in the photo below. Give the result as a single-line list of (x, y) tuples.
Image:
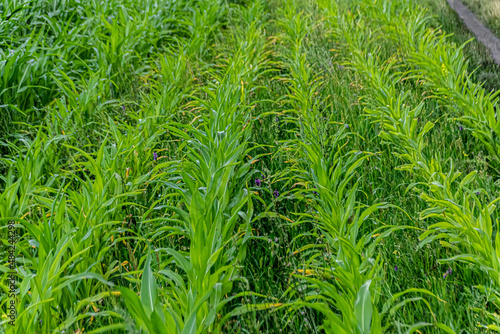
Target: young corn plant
[(216, 208), (463, 223), (207, 17), (440, 67), (173, 84), (344, 281), (62, 241)]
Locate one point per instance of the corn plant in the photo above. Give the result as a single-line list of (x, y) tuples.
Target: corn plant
[(465, 224), (349, 304), (440, 67), (214, 199), (210, 166)]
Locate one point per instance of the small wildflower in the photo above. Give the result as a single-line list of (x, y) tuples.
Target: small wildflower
[(276, 193), (263, 177), (448, 272), (396, 268), (477, 193), (257, 182), (277, 119), (275, 239), (123, 108), (461, 128), (347, 126), (155, 156), (269, 241)]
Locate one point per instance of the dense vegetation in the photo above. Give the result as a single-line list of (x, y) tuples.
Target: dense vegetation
[(212, 166)]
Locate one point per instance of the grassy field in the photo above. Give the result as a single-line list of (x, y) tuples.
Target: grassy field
[(283, 166)]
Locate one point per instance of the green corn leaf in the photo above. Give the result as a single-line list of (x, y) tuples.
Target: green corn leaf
[(363, 308), (149, 294), (135, 308)]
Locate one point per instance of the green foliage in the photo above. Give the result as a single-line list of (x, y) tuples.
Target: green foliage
[(210, 166)]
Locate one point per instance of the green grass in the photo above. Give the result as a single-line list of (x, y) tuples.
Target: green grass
[(486, 71), (488, 11), (283, 166)]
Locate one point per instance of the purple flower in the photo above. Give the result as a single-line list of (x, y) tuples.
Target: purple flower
[(461, 128), (257, 182), (276, 193), (448, 271), (277, 119), (396, 268), (477, 194), (155, 156), (123, 108), (263, 177), (347, 126)]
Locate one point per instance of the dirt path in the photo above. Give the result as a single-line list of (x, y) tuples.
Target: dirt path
[(483, 34)]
